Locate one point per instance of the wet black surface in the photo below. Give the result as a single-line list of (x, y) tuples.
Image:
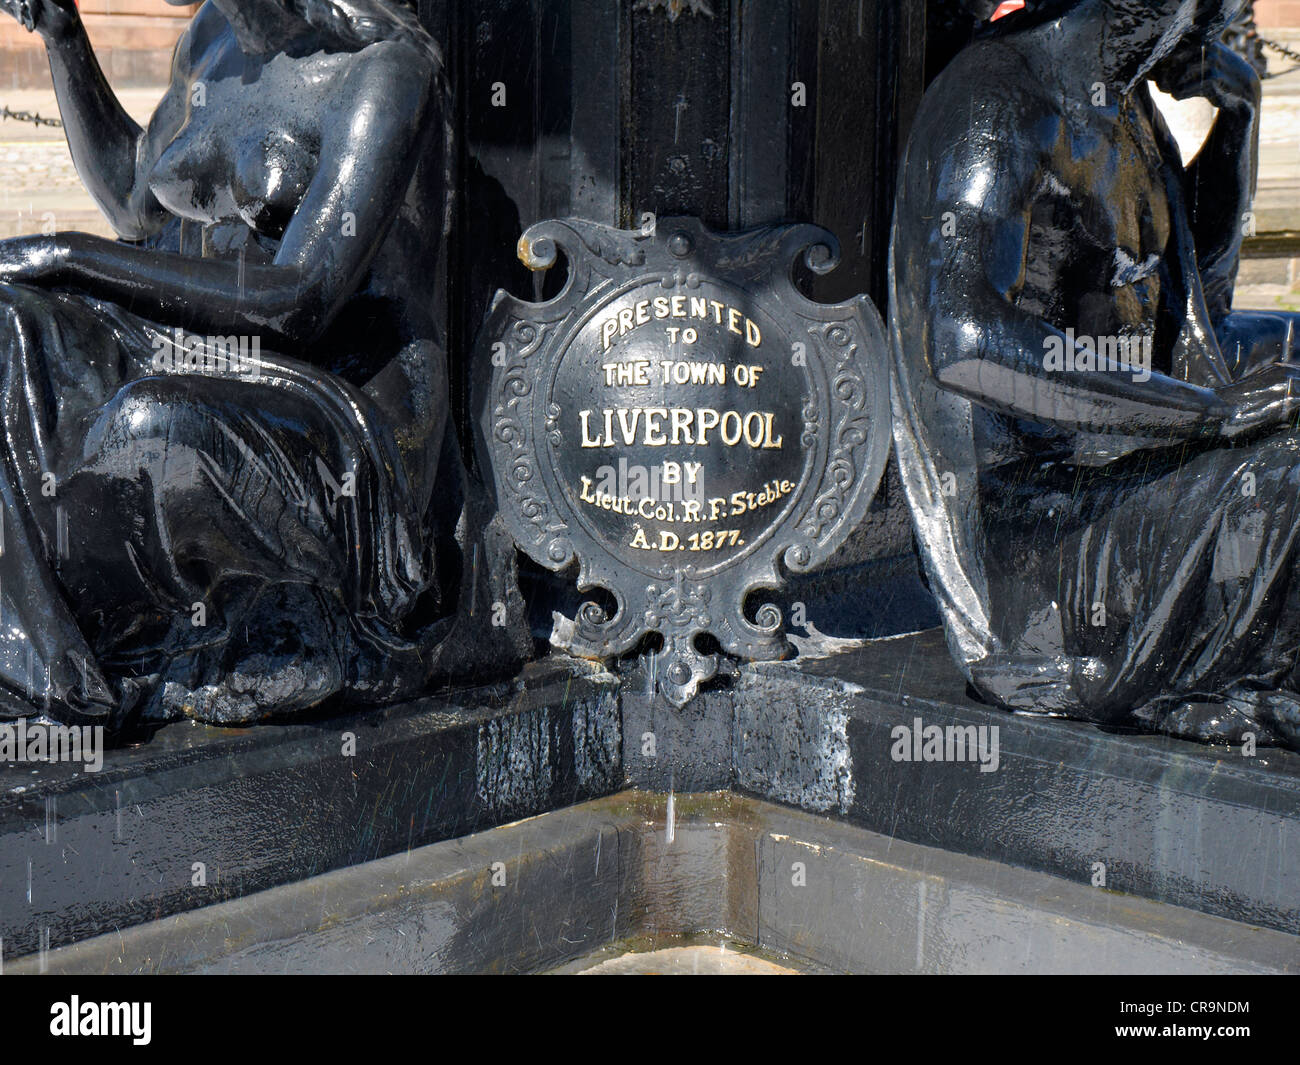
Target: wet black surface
[(1203, 826), (1200, 825), (83, 853), (636, 871), (232, 489), (1099, 454)]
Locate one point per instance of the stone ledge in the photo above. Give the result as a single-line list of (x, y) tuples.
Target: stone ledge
[(81, 853), (1192, 825), (571, 881), (1198, 827)]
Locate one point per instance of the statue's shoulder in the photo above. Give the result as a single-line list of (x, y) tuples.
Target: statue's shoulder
[(987, 101), (985, 130), (398, 72), (985, 80), (403, 62)]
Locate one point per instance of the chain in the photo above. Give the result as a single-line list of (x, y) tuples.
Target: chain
[(25, 116), (1276, 46)]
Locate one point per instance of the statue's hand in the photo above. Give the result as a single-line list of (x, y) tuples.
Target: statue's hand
[(1265, 399), (52, 19), (29, 259), (1214, 72)]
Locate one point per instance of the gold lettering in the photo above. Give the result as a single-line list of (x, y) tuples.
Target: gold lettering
[(628, 428), (654, 436), (682, 427), (706, 419), (664, 426), (768, 442), (722, 429)]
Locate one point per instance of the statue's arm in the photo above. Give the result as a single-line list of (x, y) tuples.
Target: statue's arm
[(999, 360), (962, 281), (104, 140), (368, 156), (1221, 180)]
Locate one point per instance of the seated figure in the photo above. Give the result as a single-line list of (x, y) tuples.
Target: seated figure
[(228, 486), (1101, 458)]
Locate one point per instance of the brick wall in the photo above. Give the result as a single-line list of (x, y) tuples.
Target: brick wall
[(133, 39), (160, 8), (1275, 14)]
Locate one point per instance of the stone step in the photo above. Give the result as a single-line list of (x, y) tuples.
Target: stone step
[(806, 891), (85, 851)]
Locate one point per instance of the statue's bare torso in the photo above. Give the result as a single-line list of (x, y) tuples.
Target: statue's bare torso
[(237, 140)]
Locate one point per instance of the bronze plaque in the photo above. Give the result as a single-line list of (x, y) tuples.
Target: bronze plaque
[(680, 422)]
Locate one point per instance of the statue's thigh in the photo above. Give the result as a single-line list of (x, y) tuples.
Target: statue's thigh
[(226, 474)]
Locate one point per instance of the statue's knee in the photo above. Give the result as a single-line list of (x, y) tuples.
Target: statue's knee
[(145, 419)]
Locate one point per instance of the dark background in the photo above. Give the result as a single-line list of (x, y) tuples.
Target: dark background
[(619, 107)]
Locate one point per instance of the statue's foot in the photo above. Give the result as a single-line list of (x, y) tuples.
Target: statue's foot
[(285, 654), (1276, 710), (1267, 717)]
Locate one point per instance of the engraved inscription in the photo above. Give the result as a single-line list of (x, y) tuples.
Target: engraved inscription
[(681, 429), (681, 424)]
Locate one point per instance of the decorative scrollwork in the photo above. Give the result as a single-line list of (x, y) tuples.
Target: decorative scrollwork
[(814, 439)]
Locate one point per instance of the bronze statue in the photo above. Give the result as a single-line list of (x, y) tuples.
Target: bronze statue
[(1101, 458), (229, 487)]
